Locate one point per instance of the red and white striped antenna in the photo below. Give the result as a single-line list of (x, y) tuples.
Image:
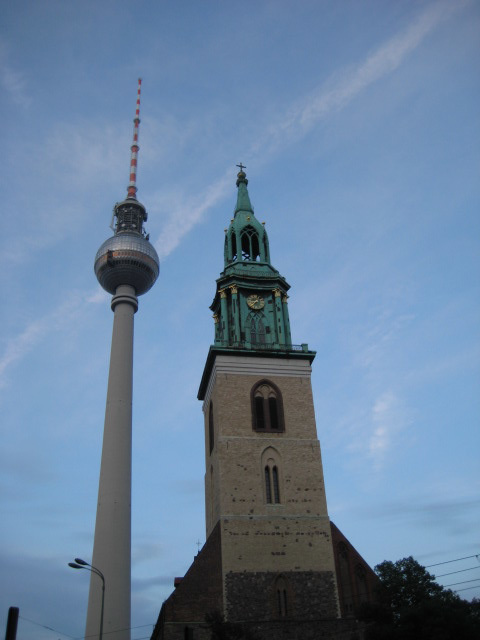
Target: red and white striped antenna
[(132, 185)]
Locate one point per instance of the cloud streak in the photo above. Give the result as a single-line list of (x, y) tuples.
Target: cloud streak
[(12, 81), (187, 214), (19, 346), (341, 90), (387, 421)]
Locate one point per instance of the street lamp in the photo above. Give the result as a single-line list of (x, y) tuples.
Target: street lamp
[(81, 564)]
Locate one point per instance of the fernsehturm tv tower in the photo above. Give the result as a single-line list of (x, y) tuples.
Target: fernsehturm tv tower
[(126, 266)]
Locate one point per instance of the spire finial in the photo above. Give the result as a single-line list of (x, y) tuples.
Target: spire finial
[(241, 175), (132, 185)]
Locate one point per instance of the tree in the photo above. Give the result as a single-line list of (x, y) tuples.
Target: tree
[(410, 605)]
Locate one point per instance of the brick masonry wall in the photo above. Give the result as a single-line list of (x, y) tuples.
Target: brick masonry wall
[(276, 544), (256, 536), (234, 472), (253, 596), (306, 630), (350, 591), (199, 592)]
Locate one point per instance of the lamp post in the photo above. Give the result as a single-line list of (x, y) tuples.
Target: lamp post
[(81, 564)]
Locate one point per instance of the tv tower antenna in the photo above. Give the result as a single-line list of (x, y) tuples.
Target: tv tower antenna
[(126, 265), (132, 186)]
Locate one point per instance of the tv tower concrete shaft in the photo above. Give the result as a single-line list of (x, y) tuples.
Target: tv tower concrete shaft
[(112, 542)]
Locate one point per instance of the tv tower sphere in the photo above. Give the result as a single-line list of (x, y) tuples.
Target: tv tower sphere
[(127, 258)]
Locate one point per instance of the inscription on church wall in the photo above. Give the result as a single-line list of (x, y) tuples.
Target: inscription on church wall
[(276, 545)]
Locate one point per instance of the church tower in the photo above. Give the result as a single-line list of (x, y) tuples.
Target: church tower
[(268, 562)]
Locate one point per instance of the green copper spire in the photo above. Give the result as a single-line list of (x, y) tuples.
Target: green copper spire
[(250, 307), (246, 240), (243, 199)]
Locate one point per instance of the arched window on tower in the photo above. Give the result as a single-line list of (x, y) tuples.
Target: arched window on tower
[(211, 432), (272, 485), (271, 476), (250, 244), (257, 329), (282, 598), (267, 407)]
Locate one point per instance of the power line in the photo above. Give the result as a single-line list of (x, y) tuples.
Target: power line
[(440, 575), (448, 561), (464, 582), (44, 626)]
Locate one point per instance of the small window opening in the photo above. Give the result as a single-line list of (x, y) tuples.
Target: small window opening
[(268, 485), (260, 414), (272, 486), (273, 410), (276, 490), (282, 603), (250, 244), (281, 589), (211, 431)]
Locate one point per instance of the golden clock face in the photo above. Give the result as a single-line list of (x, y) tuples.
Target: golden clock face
[(255, 302)]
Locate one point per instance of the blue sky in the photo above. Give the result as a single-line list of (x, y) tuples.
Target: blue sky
[(358, 122)]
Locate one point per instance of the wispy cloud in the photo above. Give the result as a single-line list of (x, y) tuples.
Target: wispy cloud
[(341, 89), (331, 97), (185, 214), (12, 81), (372, 429), (387, 421), (19, 346)]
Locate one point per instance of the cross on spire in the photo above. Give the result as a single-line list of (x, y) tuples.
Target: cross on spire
[(241, 166)]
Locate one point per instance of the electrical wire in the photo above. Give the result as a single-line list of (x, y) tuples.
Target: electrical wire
[(440, 575), (448, 561), (44, 626), (464, 582)]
